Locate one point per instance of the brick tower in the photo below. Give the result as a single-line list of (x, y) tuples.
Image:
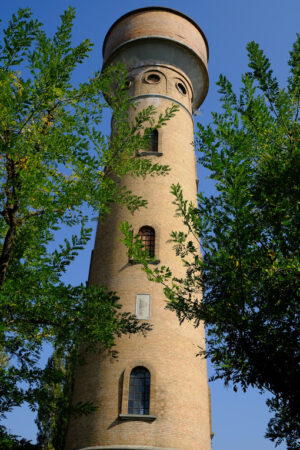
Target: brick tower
[(155, 395)]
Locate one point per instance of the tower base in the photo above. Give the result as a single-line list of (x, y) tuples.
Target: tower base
[(125, 447)]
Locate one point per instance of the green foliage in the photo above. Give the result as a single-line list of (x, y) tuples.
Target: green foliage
[(249, 273), (55, 161), (12, 442), (56, 390)]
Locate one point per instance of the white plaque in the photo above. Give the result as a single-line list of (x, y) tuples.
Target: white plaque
[(143, 306)]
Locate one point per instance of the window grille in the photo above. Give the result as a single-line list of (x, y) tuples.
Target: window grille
[(139, 391), (147, 235), (153, 141)]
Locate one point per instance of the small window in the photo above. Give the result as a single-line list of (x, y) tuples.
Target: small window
[(181, 88), (139, 391), (152, 78), (153, 141), (128, 83), (147, 235)]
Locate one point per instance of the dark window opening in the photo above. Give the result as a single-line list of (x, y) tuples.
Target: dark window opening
[(147, 236), (153, 141), (128, 83), (181, 88), (153, 78), (139, 391)]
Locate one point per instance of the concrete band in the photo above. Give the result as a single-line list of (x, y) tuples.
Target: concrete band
[(124, 447), (137, 97)]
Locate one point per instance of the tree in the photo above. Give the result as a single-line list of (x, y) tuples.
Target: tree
[(55, 161), (52, 421), (248, 230)]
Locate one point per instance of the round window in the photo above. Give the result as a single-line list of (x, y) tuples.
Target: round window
[(152, 78), (181, 88)]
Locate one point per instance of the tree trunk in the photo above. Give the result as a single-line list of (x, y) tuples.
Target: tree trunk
[(7, 247)]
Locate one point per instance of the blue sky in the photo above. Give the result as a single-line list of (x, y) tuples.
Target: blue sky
[(239, 420)]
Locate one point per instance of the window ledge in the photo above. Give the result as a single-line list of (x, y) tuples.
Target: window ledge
[(143, 417), (149, 154), (136, 261)]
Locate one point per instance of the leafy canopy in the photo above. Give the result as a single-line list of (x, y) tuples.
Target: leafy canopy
[(54, 163)]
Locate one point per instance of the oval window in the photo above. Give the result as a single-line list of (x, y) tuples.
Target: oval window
[(181, 88), (128, 83), (152, 78)]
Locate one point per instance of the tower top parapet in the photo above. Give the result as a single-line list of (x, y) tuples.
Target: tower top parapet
[(160, 36)]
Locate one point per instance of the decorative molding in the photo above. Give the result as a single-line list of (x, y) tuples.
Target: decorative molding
[(137, 97), (143, 306), (202, 65)]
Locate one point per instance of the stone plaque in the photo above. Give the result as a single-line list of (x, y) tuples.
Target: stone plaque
[(142, 306)]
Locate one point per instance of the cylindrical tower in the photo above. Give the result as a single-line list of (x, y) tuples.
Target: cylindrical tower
[(155, 394)]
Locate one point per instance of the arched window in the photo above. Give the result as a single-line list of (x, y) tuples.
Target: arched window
[(153, 141), (147, 235), (139, 391)]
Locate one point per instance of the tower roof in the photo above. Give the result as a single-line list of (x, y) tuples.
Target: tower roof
[(155, 8)]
